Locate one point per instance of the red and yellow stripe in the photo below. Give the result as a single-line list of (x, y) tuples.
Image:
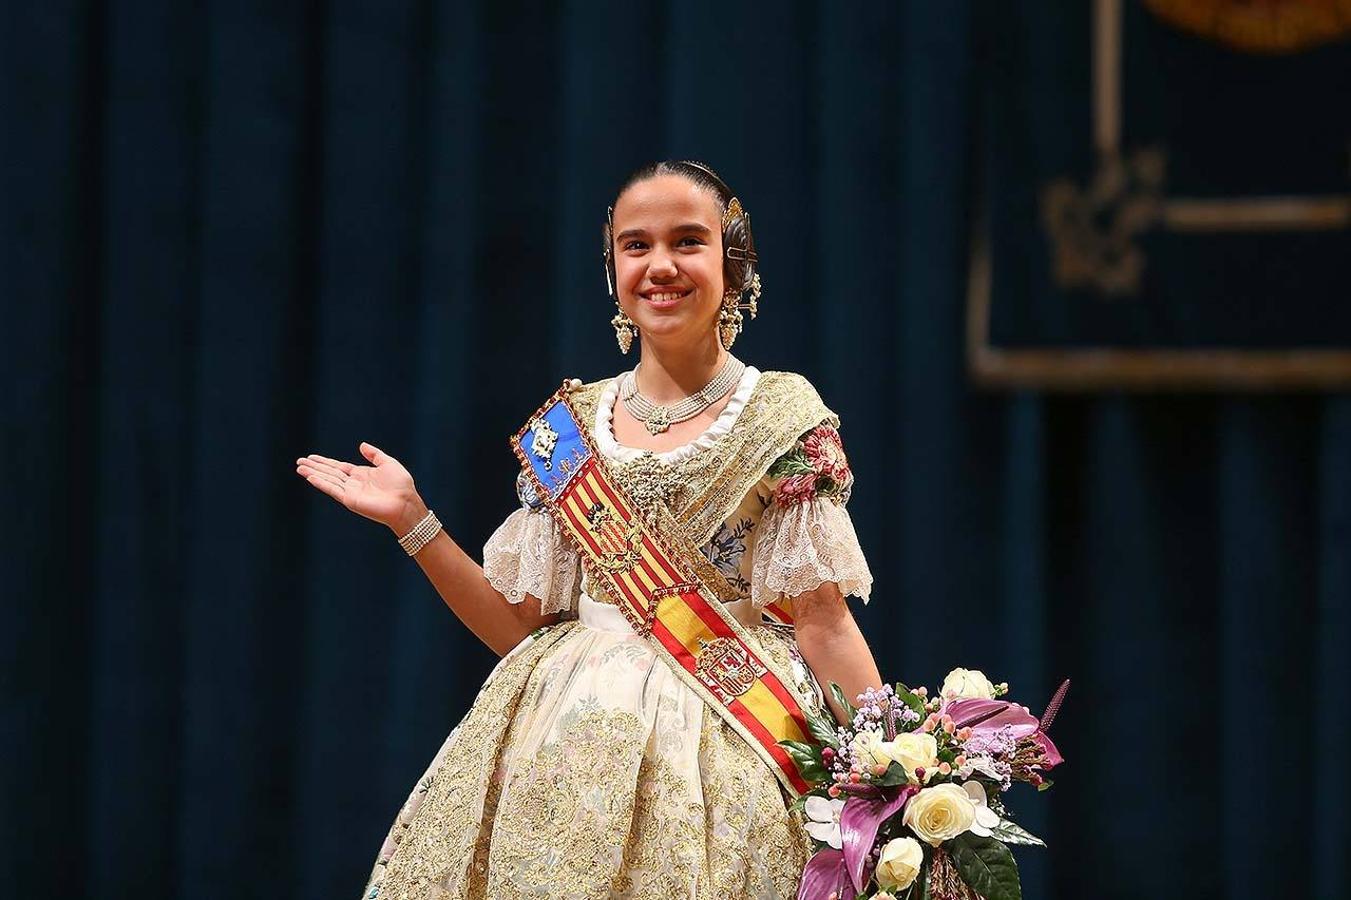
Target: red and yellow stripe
[(684, 618)]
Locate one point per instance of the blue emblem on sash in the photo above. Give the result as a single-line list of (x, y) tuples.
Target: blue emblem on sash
[(553, 446)]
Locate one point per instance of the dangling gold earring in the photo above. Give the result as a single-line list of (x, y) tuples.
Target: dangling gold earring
[(625, 330), (730, 320)]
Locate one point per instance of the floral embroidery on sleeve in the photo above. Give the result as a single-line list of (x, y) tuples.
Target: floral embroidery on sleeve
[(815, 467), (727, 548)]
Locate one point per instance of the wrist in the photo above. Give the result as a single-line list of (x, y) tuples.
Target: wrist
[(412, 512)]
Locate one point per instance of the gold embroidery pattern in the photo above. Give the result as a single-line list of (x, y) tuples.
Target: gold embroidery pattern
[(609, 805), (782, 408), (649, 480), (705, 488), (579, 810), (563, 832), (437, 833), (755, 848)]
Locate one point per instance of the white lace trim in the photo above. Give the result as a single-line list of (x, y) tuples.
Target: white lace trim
[(527, 555), (802, 546), (611, 448)]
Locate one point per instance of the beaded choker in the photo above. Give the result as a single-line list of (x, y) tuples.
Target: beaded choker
[(657, 418)]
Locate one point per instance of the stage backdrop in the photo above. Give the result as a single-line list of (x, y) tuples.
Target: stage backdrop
[(1166, 196), (234, 233)]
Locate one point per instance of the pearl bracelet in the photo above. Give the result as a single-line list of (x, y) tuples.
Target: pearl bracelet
[(421, 535)]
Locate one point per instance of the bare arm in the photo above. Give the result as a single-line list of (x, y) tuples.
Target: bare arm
[(832, 645), (384, 492), (464, 588)]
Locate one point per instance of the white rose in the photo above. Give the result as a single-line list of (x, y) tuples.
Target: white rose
[(911, 749), (899, 864), (914, 750), (867, 749), (939, 813), (967, 684)]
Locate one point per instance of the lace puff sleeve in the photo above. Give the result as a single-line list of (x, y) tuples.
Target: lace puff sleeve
[(528, 555), (806, 537)]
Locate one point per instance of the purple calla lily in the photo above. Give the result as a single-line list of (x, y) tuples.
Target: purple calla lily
[(990, 716), (823, 876), (1051, 754), (859, 821)]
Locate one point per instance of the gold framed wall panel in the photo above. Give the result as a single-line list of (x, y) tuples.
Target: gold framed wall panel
[(1089, 368)]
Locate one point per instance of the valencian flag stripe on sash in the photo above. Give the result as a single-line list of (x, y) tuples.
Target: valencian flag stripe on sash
[(663, 602)]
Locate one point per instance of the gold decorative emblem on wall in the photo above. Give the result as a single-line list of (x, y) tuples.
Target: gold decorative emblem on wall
[(1093, 230), (1260, 26)]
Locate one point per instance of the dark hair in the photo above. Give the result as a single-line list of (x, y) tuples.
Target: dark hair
[(738, 245)]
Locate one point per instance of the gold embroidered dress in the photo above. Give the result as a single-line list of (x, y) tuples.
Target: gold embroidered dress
[(586, 767)]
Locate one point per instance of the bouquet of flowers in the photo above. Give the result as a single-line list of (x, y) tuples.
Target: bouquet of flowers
[(907, 801)]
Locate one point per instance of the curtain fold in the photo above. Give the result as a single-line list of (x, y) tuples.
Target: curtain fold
[(233, 234)]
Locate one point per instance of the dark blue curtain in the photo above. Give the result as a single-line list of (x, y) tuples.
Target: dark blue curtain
[(233, 233)]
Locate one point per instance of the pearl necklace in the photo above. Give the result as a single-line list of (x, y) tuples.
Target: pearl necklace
[(656, 418)]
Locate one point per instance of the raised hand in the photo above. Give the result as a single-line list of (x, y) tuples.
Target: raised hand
[(382, 491)]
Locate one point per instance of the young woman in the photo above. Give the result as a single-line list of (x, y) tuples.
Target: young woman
[(598, 761)]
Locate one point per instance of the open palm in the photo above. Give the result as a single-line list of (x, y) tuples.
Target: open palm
[(379, 491)]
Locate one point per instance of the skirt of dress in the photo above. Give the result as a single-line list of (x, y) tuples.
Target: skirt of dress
[(587, 768)]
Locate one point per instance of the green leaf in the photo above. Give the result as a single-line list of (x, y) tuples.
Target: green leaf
[(793, 463), (920, 889), (823, 729), (894, 775), (1045, 785), (843, 701), (911, 699), (1012, 833), (987, 866), (807, 758)]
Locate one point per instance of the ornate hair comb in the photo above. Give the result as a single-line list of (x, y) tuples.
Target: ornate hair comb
[(733, 210)]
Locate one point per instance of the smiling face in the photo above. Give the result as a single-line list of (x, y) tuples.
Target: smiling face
[(668, 259)]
